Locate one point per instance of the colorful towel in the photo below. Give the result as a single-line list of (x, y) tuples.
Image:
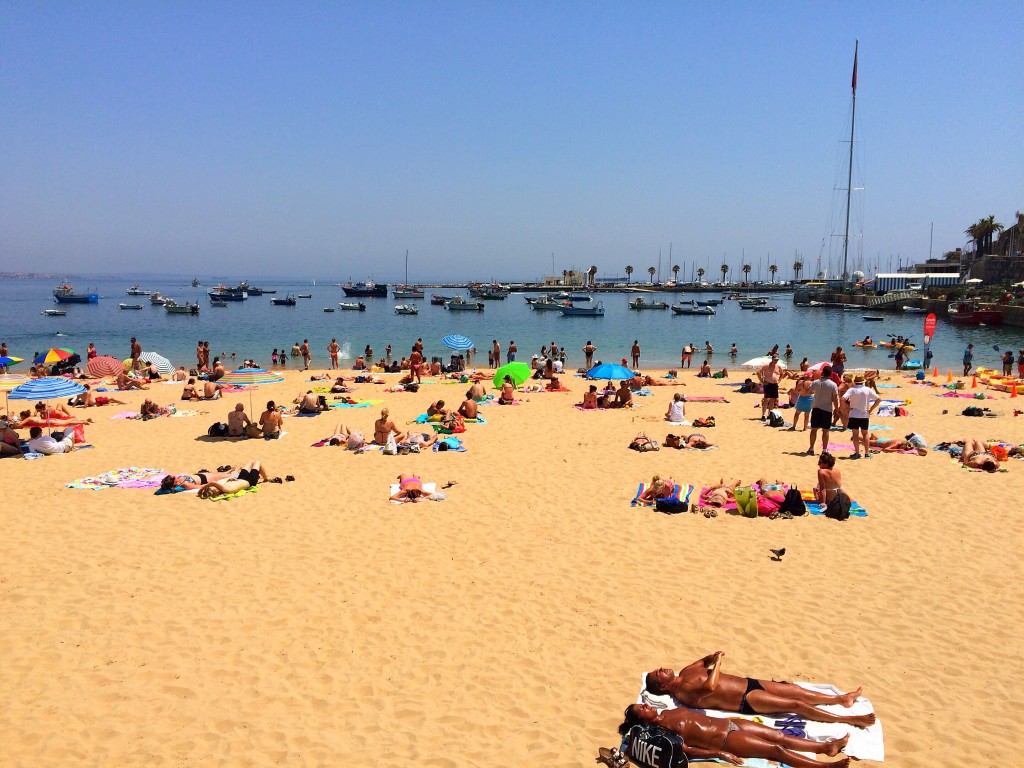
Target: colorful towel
[(964, 395), (236, 494), (237, 389), (679, 493), (358, 404), (814, 508), (125, 477), (424, 419), (959, 463), (706, 399), (453, 443)]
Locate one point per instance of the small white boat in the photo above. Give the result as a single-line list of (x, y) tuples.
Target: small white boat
[(641, 303), (352, 306), (766, 308), (130, 306), (595, 311), (328, 309), (156, 299), (406, 309), (136, 291), (914, 310), (54, 312), (459, 304), (547, 304), (692, 309), (174, 308)]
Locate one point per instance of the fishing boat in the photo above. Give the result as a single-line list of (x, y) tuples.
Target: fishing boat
[(766, 308), (156, 300), (640, 303), (226, 293), (750, 303), (54, 312), (873, 318), (914, 310), (175, 308), (352, 306), (305, 295), (548, 304), (195, 282), (459, 304), (406, 309), (492, 292), (709, 303), (65, 294), (597, 310), (130, 306), (971, 313), (287, 301), (692, 309), (405, 292), (369, 289), (136, 291), (438, 300), (252, 290), (580, 297)]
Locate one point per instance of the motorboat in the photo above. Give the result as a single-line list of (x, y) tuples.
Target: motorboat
[(286, 301), (408, 292), (130, 306), (175, 308), (548, 304), (580, 297), (136, 291), (751, 303), (54, 312), (368, 289), (65, 294), (766, 308), (709, 303), (226, 293), (406, 309), (570, 310), (352, 306), (328, 309), (874, 318), (641, 303), (305, 295), (493, 292), (914, 310), (156, 300), (971, 313), (459, 304), (692, 309), (437, 300), (251, 290)]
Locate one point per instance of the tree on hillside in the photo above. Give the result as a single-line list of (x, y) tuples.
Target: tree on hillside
[(629, 271)]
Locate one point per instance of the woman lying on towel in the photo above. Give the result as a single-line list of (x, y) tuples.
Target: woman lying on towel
[(410, 489), (978, 455), (659, 489), (733, 739), (192, 482), (702, 685), (248, 477), (892, 445), (26, 421)]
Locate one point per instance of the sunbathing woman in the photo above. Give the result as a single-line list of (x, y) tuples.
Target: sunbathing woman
[(26, 420), (659, 489), (721, 494), (248, 477), (702, 685), (697, 440), (590, 398), (88, 400), (187, 482), (978, 455), (892, 445), (410, 489), (419, 439), (383, 427), (124, 382), (508, 392), (732, 739)]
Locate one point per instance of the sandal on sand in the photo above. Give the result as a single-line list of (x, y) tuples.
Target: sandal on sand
[(450, 483), (289, 478), (612, 757), (204, 472), (276, 480), (225, 468)]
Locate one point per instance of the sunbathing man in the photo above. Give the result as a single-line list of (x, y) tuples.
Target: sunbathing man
[(211, 390), (125, 382), (732, 739), (697, 440), (420, 439), (623, 397), (469, 407), (309, 403), (249, 476), (477, 391), (149, 409), (702, 685), (437, 409), (978, 455)]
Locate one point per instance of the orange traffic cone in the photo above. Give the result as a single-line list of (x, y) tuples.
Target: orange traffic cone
[(974, 383), (935, 372), (949, 375), (1014, 392)]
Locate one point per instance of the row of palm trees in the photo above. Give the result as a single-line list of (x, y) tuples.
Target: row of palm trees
[(982, 232), (772, 268)]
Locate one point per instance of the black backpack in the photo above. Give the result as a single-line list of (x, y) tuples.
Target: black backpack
[(218, 429), (793, 503), (651, 746), (775, 419), (671, 506), (839, 507)]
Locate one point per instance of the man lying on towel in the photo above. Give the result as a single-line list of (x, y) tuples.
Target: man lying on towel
[(703, 686)]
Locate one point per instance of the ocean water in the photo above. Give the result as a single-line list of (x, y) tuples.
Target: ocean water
[(254, 327)]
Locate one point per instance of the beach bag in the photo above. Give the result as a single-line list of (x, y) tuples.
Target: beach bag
[(746, 501), (643, 444), (651, 746), (839, 507), (673, 441), (671, 506), (390, 447), (704, 422), (412, 387), (355, 441), (793, 503), (79, 432), (766, 507), (775, 418), (973, 410), (901, 411), (218, 429)]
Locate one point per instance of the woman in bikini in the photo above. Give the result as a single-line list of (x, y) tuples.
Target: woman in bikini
[(590, 398), (658, 489), (410, 489), (733, 739), (192, 482), (383, 427), (830, 479), (10, 443), (697, 440), (508, 392), (270, 421), (978, 455), (249, 476)]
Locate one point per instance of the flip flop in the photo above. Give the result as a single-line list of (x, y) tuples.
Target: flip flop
[(225, 468)]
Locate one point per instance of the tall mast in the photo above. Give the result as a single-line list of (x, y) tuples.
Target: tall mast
[(849, 177)]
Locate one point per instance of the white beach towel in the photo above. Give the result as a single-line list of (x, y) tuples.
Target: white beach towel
[(864, 744)]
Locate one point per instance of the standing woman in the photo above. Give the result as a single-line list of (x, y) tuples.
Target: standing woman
[(92, 352)]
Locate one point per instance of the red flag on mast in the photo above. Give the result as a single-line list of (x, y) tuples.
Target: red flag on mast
[(854, 81)]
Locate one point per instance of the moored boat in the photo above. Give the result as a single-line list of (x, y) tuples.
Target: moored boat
[(492, 292), (226, 293), (54, 312), (548, 304), (175, 308), (873, 318), (597, 310), (286, 301), (369, 289), (692, 309), (352, 306), (971, 313), (65, 294), (640, 303), (156, 299), (437, 300), (129, 306), (914, 310), (135, 290), (459, 304), (408, 292), (406, 309), (766, 308)]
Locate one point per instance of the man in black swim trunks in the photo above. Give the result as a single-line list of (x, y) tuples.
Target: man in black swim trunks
[(702, 685)]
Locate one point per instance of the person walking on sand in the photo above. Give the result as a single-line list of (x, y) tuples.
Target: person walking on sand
[(588, 351), (136, 353), (968, 358), (333, 348), (307, 358), (635, 354), (825, 400)]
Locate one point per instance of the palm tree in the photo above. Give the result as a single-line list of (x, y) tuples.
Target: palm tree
[(629, 271), (725, 271), (773, 269), (982, 232), (797, 269), (651, 271), (746, 273), (675, 272), (700, 275)]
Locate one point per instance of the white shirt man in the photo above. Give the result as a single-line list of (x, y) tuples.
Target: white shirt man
[(45, 444), (862, 400)]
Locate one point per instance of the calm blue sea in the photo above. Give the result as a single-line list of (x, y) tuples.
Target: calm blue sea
[(254, 327)]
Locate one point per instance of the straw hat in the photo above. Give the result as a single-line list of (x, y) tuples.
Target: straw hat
[(858, 379)]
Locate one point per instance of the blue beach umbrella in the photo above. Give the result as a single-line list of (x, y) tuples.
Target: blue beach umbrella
[(457, 341), (48, 388), (609, 371)]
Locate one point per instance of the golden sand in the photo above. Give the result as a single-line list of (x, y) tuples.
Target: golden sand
[(314, 623)]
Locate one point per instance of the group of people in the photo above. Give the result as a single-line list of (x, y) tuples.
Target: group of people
[(224, 481)]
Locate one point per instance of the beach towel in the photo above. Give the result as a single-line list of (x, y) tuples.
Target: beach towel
[(424, 419), (683, 423), (956, 460), (125, 477), (305, 415), (681, 492), (126, 415), (706, 399), (429, 490), (454, 444), (864, 744), (888, 386), (966, 396), (814, 508), (236, 494), (237, 389), (280, 436), (184, 414), (357, 404), (644, 392)]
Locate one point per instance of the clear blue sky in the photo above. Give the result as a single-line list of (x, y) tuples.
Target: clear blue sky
[(325, 139)]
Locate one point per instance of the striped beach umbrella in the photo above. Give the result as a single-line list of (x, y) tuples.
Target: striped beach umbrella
[(54, 355), (104, 365), (10, 380), (250, 377), (457, 341), (163, 366), (47, 388)]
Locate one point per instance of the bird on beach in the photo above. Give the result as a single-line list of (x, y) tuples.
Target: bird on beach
[(778, 554)]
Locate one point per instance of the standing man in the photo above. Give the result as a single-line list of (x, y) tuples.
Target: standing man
[(687, 356), (307, 358), (826, 399), (496, 351), (512, 349), (387, 353), (769, 377), (635, 354), (136, 354), (862, 401), (333, 348), (589, 351), (968, 358), (838, 361)]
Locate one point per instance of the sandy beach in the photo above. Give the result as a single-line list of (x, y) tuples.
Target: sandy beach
[(314, 623)]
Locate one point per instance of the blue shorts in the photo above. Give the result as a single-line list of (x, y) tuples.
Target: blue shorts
[(803, 403)]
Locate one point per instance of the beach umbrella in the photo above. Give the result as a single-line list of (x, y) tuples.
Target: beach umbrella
[(9, 381), (47, 388), (519, 372), (163, 366), (104, 365), (761, 362), (610, 371), (457, 341), (55, 355), (5, 361), (250, 377)]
